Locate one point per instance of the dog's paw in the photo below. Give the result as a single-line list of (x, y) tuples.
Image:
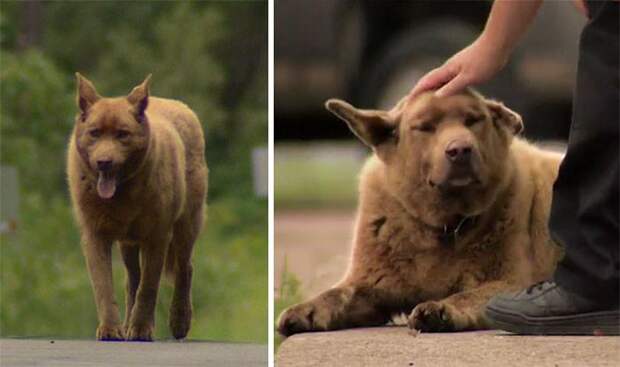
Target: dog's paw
[(430, 316), (296, 319), (301, 318), (140, 333), (110, 333), (179, 321)]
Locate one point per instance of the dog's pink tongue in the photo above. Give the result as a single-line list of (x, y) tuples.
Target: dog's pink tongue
[(106, 185)]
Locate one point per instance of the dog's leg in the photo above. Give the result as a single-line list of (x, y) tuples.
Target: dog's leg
[(180, 316), (142, 320), (338, 308), (131, 258), (98, 253), (460, 311), (186, 231)]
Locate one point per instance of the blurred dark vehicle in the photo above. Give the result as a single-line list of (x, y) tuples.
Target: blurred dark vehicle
[(373, 52)]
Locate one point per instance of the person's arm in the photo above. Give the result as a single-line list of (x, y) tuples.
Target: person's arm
[(508, 22), (487, 55)]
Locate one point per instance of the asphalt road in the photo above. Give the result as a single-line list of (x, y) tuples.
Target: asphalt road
[(395, 346), (69, 353)]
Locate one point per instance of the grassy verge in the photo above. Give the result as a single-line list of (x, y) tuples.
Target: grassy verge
[(317, 175)]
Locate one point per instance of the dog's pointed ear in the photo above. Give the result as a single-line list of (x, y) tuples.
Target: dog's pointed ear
[(374, 128), (139, 98), (86, 95), (505, 117)]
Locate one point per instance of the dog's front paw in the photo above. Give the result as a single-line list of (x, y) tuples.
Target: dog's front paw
[(431, 316), (180, 320), (141, 333), (303, 317), (110, 333), (296, 319)]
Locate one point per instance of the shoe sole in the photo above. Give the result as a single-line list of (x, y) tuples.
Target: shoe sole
[(592, 323)]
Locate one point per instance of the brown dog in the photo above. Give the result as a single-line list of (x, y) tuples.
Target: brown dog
[(452, 210), (137, 176)]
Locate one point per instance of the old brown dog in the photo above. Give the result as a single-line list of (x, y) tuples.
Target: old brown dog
[(137, 176), (452, 210)]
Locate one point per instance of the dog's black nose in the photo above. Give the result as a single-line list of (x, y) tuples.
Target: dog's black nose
[(104, 165), (458, 151)]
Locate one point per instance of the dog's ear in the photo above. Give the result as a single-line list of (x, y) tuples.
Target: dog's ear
[(86, 94), (375, 128), (504, 116), (139, 98)]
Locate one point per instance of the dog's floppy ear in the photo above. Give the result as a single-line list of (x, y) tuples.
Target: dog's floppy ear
[(86, 94), (139, 98), (373, 127), (504, 116)]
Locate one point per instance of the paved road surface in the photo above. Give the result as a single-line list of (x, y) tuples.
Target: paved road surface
[(69, 353), (394, 346), (314, 245)]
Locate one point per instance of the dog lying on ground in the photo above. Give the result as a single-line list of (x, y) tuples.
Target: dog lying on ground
[(453, 209), (137, 176)]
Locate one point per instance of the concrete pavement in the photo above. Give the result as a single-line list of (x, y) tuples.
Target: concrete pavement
[(395, 346)]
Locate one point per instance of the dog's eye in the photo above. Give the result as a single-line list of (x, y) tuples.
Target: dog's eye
[(425, 128), (121, 134), (95, 133), (472, 119)]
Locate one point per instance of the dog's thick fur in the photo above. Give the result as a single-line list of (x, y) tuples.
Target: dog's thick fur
[(402, 262), (137, 176)]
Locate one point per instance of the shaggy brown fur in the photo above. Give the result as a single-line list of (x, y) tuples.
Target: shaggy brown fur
[(137, 176), (435, 239)]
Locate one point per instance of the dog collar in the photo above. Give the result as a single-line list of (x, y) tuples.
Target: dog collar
[(448, 234)]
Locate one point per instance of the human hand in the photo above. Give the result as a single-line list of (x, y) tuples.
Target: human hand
[(581, 7), (475, 64)]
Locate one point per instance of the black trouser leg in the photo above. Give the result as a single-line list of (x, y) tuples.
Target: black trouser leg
[(584, 213)]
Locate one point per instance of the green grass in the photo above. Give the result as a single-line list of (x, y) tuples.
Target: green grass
[(46, 292), (317, 175)]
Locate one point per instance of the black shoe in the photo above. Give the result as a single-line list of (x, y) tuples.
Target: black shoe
[(548, 309)]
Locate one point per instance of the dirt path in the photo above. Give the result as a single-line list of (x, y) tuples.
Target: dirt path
[(314, 245), (67, 353)]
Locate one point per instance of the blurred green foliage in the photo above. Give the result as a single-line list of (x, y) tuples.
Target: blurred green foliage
[(210, 55), (317, 175)]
